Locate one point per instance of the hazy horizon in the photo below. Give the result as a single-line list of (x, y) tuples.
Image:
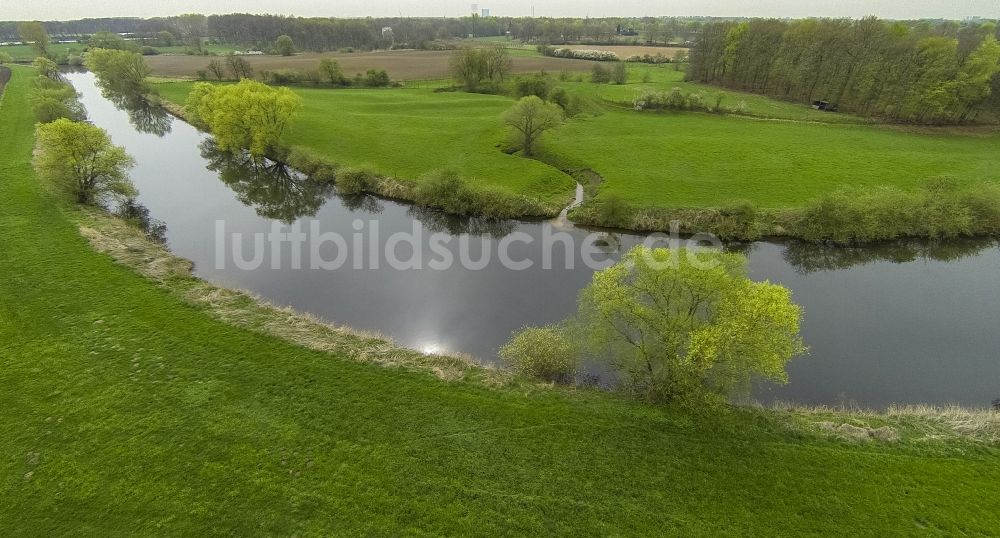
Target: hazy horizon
[(892, 9)]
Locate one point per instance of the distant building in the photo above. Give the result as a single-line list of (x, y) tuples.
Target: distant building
[(486, 12)]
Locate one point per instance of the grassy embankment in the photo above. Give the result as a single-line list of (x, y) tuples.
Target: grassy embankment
[(129, 408), (776, 155)]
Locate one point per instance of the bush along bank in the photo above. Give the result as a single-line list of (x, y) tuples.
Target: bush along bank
[(940, 209)]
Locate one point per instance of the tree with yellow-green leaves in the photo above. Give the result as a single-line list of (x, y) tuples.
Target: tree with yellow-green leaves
[(688, 326), (80, 159), (248, 115)]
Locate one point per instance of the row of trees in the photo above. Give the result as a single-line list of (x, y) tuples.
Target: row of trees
[(320, 33), (75, 156), (910, 73)]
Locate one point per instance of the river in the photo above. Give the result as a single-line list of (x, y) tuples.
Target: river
[(905, 323)]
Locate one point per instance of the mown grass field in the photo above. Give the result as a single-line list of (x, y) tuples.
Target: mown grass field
[(777, 156), (126, 411)]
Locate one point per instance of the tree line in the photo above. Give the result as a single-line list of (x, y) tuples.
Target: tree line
[(907, 72), (322, 33)]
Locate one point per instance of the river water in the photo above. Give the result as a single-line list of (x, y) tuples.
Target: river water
[(906, 323)]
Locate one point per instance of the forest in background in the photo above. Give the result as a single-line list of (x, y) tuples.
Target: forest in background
[(923, 72)]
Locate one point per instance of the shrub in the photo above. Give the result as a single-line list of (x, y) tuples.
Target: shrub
[(376, 79), (593, 55), (560, 97), (939, 209), (311, 163), (148, 51), (600, 74), (542, 352), (537, 85), (738, 220), (446, 190), (619, 74), (282, 76), (355, 180)]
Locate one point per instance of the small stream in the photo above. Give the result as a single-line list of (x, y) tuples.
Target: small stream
[(906, 323)]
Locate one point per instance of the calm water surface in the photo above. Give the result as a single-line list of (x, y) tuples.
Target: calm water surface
[(905, 323)]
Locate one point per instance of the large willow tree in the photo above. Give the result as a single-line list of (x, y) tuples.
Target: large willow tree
[(248, 115), (686, 326)]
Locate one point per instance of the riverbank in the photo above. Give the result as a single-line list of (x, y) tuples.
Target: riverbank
[(736, 177), (126, 406)]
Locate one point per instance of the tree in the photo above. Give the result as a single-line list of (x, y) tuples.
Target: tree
[(34, 32), (248, 115), (165, 38), (46, 67), (119, 72), (284, 45), (474, 67), (217, 68), (108, 40), (5, 58), (53, 99), (691, 327), (239, 67), (329, 71), (680, 56), (81, 159), (529, 118)]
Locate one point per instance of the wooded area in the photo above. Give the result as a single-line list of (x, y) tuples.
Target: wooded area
[(322, 34), (914, 73)]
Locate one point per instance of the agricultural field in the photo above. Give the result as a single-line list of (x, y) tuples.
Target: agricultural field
[(400, 64)]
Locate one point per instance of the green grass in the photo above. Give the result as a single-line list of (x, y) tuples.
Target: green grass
[(408, 133), (23, 53), (703, 160), (648, 159), (127, 411), (665, 78)]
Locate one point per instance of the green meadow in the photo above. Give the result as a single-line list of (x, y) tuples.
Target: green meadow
[(775, 154), (127, 410)]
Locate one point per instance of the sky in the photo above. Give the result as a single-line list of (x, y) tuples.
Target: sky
[(895, 9)]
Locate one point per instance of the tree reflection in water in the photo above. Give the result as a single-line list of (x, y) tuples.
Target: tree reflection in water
[(439, 222), (138, 215), (362, 202), (274, 190), (144, 116), (809, 257)]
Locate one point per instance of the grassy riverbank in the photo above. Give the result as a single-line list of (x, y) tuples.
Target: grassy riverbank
[(778, 156), (128, 409)]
